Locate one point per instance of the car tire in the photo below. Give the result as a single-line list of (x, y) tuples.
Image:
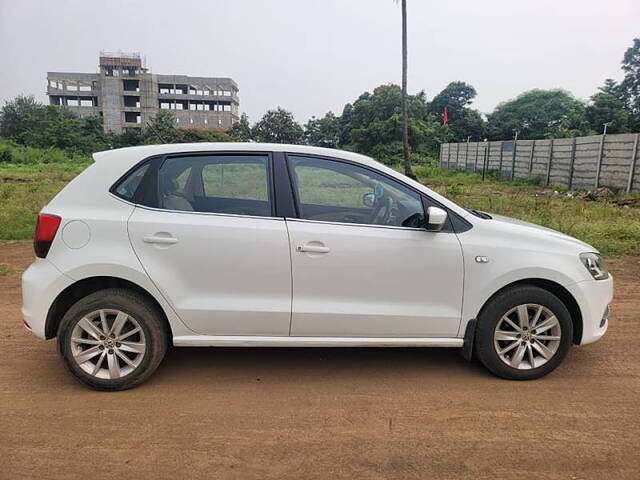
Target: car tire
[(508, 348), (112, 339)]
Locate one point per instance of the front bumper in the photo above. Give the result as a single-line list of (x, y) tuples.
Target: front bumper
[(593, 297), (41, 284)]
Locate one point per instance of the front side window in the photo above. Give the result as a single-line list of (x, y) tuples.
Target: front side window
[(236, 184), (334, 191)]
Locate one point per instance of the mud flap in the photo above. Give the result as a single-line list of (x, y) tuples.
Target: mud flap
[(469, 336)]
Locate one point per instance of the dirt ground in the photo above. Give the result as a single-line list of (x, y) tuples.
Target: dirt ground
[(322, 413)]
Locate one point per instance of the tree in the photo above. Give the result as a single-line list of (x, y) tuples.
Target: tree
[(463, 121), (538, 114), (408, 171), (323, 132), (241, 130), (456, 96), (130, 137), (607, 108), (58, 127), (195, 135), (277, 126), (611, 86), (162, 129), (373, 125), (28, 122), (630, 86), (20, 117)]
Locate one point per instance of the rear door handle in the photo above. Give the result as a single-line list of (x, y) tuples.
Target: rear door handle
[(159, 239), (313, 248)]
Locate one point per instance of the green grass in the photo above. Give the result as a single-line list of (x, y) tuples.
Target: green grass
[(612, 229), (25, 189)]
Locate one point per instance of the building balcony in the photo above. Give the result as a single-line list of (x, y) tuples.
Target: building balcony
[(198, 98)]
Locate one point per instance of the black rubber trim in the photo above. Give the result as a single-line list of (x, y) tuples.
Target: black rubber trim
[(147, 192), (284, 200), (469, 337), (458, 223)]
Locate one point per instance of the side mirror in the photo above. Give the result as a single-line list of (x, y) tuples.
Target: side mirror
[(436, 218), (369, 199)]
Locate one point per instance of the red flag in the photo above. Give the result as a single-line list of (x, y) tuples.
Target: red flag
[(445, 116)]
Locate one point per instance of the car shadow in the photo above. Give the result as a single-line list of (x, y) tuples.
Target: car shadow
[(319, 363)]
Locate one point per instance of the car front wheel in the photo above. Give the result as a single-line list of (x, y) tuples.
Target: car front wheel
[(112, 339), (523, 333)]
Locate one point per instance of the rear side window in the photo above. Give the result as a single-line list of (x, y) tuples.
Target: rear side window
[(246, 180), (237, 184), (129, 185)]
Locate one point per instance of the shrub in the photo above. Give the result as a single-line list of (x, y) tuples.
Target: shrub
[(6, 155)]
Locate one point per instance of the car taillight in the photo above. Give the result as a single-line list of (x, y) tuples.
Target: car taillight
[(46, 229)]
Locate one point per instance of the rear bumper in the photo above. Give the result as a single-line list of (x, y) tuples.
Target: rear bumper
[(41, 284), (593, 297)]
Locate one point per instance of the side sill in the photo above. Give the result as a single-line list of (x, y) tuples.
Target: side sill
[(255, 341)]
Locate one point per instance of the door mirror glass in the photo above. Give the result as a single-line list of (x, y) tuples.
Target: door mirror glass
[(369, 199), (436, 218)]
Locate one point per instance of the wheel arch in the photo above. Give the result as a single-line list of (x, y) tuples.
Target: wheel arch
[(556, 289), (81, 288)]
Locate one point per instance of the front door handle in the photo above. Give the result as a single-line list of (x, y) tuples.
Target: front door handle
[(160, 239), (310, 248)]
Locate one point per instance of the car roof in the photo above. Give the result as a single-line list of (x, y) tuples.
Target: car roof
[(150, 150)]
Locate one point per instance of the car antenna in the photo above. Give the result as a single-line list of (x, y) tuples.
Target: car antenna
[(156, 133)]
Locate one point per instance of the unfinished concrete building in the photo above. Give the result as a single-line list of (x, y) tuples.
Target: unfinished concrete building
[(127, 95)]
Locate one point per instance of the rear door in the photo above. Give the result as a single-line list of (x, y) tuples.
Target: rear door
[(211, 243)]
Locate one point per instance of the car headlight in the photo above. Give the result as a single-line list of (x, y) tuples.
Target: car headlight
[(595, 264)]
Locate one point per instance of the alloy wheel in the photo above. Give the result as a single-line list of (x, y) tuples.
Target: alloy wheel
[(108, 344), (527, 336)]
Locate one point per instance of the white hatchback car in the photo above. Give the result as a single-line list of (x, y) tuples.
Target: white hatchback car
[(278, 245)]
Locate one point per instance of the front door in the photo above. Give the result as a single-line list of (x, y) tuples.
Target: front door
[(360, 266), (214, 249)]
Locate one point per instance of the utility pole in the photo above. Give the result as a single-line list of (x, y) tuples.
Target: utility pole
[(600, 154), (466, 153), (408, 170), (513, 155)]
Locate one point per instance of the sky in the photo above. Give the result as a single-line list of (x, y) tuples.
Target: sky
[(312, 56)]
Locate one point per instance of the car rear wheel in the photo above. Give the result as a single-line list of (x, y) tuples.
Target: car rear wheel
[(112, 339), (523, 333)]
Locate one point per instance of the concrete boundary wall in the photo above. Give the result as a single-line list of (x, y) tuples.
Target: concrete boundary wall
[(579, 162)]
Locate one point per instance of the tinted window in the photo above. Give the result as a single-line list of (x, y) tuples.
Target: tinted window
[(334, 191), (216, 184), (127, 187)]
